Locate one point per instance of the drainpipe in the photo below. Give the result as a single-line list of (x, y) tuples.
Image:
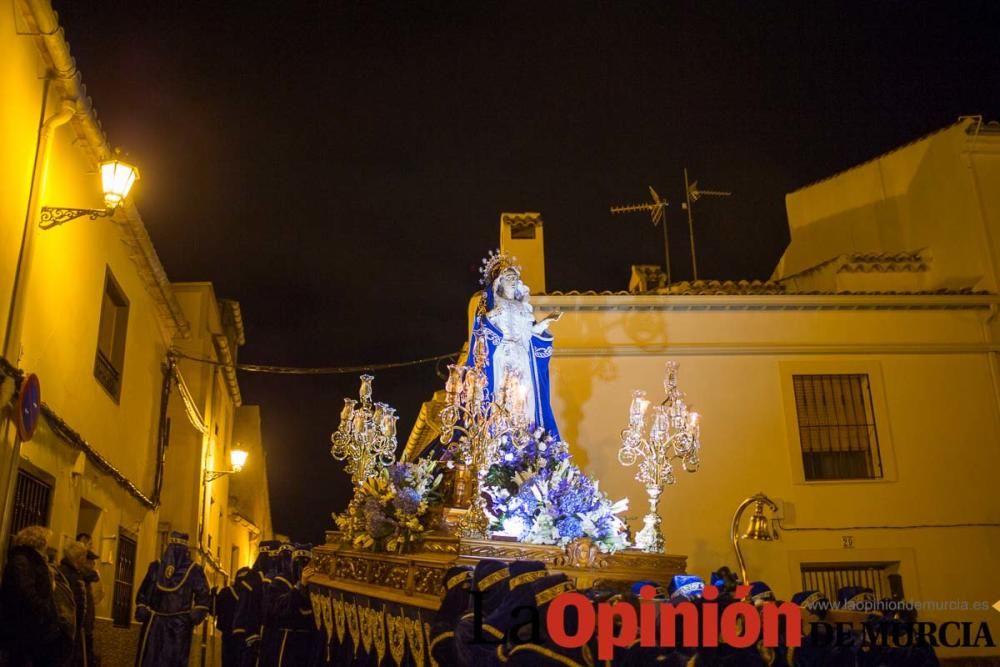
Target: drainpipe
[(12, 334)]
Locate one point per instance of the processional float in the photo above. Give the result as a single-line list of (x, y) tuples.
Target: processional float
[(499, 483)]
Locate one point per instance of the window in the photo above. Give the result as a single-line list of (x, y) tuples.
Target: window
[(111, 337), (828, 578), (121, 604), (522, 231), (836, 425), (31, 502)]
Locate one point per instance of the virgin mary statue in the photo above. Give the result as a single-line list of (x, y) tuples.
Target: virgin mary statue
[(519, 348)]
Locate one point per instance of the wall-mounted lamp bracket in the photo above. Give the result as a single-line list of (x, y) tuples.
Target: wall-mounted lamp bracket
[(53, 216)]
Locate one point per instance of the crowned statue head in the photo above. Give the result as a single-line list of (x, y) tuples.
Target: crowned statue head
[(501, 279)]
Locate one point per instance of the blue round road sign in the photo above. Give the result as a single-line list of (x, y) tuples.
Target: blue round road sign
[(29, 407)]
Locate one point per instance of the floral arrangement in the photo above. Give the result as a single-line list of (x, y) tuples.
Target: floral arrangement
[(390, 510), (537, 495)]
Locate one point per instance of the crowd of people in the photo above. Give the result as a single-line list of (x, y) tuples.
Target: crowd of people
[(481, 622), (267, 616), (47, 607)]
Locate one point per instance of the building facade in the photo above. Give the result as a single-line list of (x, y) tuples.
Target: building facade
[(859, 388), (86, 307)]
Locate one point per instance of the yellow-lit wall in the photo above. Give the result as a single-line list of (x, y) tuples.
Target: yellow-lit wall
[(938, 194), (62, 287), (936, 409), (249, 492), (191, 452)]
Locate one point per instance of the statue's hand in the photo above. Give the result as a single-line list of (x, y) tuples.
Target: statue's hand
[(554, 317)]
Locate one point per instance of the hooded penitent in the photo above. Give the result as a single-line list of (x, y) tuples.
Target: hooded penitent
[(173, 598)]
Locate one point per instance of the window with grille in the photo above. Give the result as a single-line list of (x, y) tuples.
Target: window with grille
[(828, 578), (31, 502), (110, 358), (837, 427), (121, 604)]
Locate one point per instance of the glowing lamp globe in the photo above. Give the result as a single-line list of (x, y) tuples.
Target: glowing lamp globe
[(238, 459), (117, 179)]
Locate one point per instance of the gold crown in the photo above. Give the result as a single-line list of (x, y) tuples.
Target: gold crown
[(494, 264)]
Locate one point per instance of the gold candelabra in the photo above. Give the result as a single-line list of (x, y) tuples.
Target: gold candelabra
[(673, 433), (474, 423), (366, 436)]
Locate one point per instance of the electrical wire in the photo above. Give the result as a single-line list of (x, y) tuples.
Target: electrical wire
[(321, 370)]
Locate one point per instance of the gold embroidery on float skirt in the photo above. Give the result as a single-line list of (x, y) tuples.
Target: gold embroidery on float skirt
[(339, 617), (366, 628), (351, 612), (397, 636), (427, 640), (317, 607), (415, 635), (377, 624), (326, 610)]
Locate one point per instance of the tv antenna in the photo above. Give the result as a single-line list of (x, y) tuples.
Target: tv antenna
[(691, 195), (657, 209)]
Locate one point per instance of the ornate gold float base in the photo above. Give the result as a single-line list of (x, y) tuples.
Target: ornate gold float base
[(417, 578)]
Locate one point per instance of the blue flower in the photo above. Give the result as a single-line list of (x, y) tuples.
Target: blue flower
[(569, 526)]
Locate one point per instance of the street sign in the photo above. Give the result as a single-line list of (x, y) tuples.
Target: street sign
[(29, 407)]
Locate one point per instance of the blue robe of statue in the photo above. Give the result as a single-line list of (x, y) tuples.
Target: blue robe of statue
[(541, 354), (173, 599)]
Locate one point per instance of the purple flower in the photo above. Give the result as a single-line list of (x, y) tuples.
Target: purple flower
[(407, 501), (398, 473)]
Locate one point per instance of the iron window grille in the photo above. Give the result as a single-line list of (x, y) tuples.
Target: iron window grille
[(32, 497), (121, 604), (837, 430), (828, 578)]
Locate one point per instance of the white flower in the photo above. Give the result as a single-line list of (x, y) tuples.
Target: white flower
[(514, 526)]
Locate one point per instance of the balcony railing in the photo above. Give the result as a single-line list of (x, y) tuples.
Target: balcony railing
[(107, 374)]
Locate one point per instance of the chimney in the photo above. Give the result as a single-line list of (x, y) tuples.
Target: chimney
[(521, 235)]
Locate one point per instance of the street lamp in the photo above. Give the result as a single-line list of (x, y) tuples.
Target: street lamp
[(237, 459), (758, 530), (117, 179)]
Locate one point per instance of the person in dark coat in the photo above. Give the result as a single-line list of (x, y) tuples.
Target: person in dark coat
[(226, 603), (172, 600), (29, 624), (277, 584), (250, 610), (71, 567), (290, 640), (91, 581)]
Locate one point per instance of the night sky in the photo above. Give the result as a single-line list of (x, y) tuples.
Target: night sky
[(340, 169)]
